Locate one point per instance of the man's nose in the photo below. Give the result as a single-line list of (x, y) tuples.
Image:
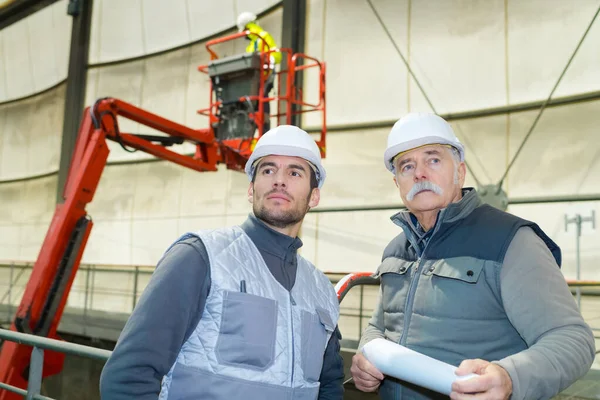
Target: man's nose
[(420, 172), (280, 179)]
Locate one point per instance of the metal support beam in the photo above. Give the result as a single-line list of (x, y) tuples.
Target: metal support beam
[(578, 220), (293, 34), (81, 11), (511, 201), (18, 9), (481, 113)]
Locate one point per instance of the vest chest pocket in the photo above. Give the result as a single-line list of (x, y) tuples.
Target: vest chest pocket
[(395, 281), (315, 330), (248, 331), (464, 269), (396, 266)]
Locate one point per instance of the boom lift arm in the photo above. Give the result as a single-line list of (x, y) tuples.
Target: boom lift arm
[(53, 273)]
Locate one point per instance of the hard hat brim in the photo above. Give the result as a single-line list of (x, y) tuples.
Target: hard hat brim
[(283, 150), (391, 152)]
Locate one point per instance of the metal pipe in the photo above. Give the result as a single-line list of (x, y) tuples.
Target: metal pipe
[(36, 364), (92, 286), (481, 113), (120, 270), (513, 201), (487, 112), (55, 345), (85, 298), (10, 285), (9, 291), (13, 389), (555, 199)]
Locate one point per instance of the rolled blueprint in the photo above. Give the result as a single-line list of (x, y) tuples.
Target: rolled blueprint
[(399, 362)]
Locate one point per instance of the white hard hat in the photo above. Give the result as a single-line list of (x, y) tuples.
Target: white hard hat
[(287, 140), (244, 19), (416, 130)]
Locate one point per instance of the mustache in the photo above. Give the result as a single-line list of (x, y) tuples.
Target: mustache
[(421, 187), (280, 191)]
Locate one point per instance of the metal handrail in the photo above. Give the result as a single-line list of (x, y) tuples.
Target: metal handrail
[(40, 344)]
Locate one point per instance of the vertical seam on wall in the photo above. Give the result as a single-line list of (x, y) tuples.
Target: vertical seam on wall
[(142, 26), (188, 71), (185, 107), (98, 35), (3, 109), (28, 137), (30, 51), (408, 53), (2, 129), (235, 12), (54, 44), (141, 103), (4, 58), (507, 83), (131, 216), (98, 52), (187, 20)]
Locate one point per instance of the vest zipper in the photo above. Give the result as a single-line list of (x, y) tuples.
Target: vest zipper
[(410, 300), (413, 288), (292, 303)]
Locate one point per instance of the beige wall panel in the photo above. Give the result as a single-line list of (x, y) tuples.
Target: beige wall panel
[(109, 243), (10, 242), (366, 80), (202, 194), (151, 238), (561, 155), (31, 130), (114, 196), (457, 53), (542, 35)]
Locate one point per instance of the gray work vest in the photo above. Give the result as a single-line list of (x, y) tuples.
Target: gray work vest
[(446, 302), (264, 343)]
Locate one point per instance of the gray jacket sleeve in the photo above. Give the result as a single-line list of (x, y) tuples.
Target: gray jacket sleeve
[(375, 328), (540, 306), (167, 313)]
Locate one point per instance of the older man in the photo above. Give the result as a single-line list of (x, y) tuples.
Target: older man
[(468, 284)]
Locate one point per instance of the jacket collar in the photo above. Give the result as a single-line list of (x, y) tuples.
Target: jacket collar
[(269, 240), (452, 213)]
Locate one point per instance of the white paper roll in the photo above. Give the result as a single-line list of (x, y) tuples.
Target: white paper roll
[(399, 362)]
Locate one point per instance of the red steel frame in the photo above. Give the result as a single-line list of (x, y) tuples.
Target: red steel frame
[(292, 64), (46, 293)]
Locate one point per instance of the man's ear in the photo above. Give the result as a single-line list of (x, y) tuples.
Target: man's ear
[(251, 192), (395, 181), (315, 197), (462, 173)]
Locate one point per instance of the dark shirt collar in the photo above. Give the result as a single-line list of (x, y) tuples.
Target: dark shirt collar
[(268, 239)]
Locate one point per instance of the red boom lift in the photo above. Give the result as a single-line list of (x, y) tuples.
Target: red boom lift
[(236, 120)]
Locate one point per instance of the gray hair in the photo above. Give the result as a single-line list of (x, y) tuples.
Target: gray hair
[(455, 154), (456, 159)]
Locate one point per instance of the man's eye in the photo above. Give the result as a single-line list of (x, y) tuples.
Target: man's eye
[(434, 161), (267, 171), (295, 173), (407, 167)]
